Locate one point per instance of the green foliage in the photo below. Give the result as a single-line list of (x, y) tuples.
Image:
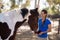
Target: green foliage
[(54, 3), (12, 4), (26, 4)]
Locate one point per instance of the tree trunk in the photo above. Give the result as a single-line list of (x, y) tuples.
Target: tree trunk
[(35, 3), (38, 3)]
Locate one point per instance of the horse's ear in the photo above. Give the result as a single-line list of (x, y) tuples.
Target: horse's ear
[(36, 9)]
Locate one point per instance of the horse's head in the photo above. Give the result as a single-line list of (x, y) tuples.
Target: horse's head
[(21, 16), (24, 12), (34, 12)]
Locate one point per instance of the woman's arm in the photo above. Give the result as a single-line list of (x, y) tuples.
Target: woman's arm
[(49, 29)]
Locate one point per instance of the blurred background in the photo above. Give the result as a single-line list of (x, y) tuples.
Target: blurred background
[(24, 32)]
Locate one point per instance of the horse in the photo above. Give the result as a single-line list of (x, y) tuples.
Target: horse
[(33, 20), (10, 21)]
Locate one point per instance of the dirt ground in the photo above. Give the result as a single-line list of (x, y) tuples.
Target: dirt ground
[(26, 34)]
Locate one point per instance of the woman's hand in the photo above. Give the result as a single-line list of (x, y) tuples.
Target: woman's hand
[(41, 33)]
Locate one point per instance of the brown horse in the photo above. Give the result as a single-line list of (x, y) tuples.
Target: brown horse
[(33, 19)]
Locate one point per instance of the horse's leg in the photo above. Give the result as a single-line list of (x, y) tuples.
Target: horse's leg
[(18, 24)]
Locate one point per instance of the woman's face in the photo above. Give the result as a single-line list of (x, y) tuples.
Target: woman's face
[(43, 15)]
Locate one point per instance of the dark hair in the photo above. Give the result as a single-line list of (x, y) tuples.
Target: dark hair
[(45, 11)]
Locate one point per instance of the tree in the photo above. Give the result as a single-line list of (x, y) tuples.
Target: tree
[(56, 10), (1, 5), (37, 3), (54, 7), (12, 4), (26, 4)]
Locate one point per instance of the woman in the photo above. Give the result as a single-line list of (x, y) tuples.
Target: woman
[(44, 26)]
